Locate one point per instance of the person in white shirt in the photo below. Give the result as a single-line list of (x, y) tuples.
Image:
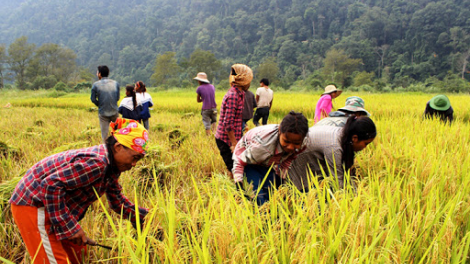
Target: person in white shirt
[(264, 100), (146, 100)]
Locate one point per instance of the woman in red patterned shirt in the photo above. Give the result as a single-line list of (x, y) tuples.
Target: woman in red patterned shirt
[(55, 193)]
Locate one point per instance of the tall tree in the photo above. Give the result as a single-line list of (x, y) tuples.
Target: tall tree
[(204, 61), (20, 52), (338, 66), (166, 67), (268, 69), (52, 59)]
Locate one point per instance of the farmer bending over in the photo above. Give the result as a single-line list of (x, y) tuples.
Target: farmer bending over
[(439, 107), (55, 193), (331, 151), (269, 146), (325, 104)]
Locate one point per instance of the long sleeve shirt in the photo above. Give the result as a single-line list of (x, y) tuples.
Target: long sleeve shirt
[(323, 107), (323, 157), (127, 110), (261, 146), (231, 115), (105, 95), (445, 116), (65, 183), (146, 100), (249, 105)]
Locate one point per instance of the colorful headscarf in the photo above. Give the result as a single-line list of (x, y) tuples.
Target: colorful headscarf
[(131, 134), (241, 75)]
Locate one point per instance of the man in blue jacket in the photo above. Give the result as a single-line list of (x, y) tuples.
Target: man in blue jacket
[(105, 95)]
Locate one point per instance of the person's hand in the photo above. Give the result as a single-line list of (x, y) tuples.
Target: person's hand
[(80, 238), (232, 148)]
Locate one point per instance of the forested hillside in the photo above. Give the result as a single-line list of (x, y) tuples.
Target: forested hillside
[(385, 41)]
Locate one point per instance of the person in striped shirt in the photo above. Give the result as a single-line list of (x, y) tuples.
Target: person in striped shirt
[(54, 195), (267, 151)]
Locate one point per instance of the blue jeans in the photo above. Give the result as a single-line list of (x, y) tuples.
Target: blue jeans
[(255, 175)]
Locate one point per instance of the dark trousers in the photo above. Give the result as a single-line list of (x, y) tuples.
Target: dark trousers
[(226, 153), (255, 174), (261, 113), (244, 121)]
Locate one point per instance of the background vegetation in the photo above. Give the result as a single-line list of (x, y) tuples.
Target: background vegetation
[(386, 44)]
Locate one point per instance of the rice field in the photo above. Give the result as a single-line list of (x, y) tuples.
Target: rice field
[(412, 204)]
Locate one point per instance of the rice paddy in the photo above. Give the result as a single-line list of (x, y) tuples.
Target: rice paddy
[(412, 203)]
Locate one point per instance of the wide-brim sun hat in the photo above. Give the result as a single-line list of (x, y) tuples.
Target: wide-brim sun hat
[(201, 76), (330, 89), (355, 104), (440, 102)]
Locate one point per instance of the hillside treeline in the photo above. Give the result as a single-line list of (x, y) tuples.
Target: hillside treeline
[(384, 41)]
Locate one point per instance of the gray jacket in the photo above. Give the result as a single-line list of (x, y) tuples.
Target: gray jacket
[(105, 95)]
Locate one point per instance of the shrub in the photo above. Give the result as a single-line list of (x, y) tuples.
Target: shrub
[(223, 85), (363, 78), (61, 87), (43, 82), (82, 86), (454, 84)]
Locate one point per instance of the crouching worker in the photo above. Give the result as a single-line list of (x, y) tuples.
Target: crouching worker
[(54, 195), (331, 151), (269, 146), (439, 107)]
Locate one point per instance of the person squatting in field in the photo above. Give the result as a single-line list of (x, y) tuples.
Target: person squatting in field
[(331, 151), (268, 151), (229, 129), (54, 194), (206, 95), (354, 107), (146, 100), (439, 107), (130, 107), (325, 104)]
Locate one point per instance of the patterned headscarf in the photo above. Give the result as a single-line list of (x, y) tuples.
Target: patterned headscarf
[(130, 134), (241, 75)]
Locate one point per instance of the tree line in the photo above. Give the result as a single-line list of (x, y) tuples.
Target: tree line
[(42, 67), (380, 43)]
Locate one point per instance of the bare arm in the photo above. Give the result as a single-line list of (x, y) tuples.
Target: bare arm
[(199, 99), (257, 99), (233, 140)]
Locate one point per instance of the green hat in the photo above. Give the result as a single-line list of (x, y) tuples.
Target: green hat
[(440, 102), (354, 104)]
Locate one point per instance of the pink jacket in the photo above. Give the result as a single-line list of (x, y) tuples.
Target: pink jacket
[(324, 105)]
